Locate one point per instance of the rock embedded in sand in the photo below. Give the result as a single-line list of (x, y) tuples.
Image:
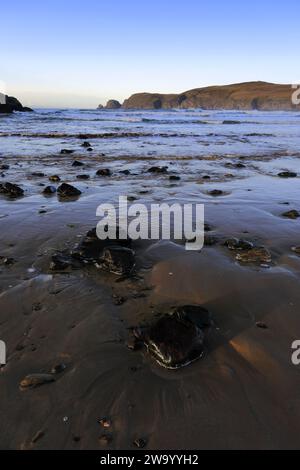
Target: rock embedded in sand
[(117, 260), (4, 167), (90, 249), (60, 262), (85, 144), (176, 340), (54, 178), (35, 380), (11, 190), (66, 151), (158, 169), (256, 255), (292, 214), (83, 177), (296, 249), (103, 172), (77, 163), (38, 174), (58, 368), (174, 178), (67, 190), (238, 244), (125, 172), (261, 325), (49, 190), (216, 192), (5, 261), (287, 174), (140, 443)]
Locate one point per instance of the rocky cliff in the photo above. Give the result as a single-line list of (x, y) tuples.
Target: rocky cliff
[(8, 104), (250, 95)]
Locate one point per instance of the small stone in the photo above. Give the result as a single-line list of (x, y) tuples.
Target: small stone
[(261, 324), (49, 190), (216, 192), (103, 172), (83, 177), (38, 435), (158, 169), (5, 261), (292, 214), (238, 244), (106, 423), (66, 151), (118, 300), (118, 260), (54, 178), (58, 368), (296, 249), (174, 178), (60, 262), (287, 174), (85, 144), (255, 255), (140, 443), (35, 380), (89, 149), (4, 167), (77, 163), (125, 172), (38, 174)]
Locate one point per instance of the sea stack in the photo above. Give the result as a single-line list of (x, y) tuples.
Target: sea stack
[(9, 104)]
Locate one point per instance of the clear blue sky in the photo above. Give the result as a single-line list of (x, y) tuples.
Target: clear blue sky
[(80, 53)]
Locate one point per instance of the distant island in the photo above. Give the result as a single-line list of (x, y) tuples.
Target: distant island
[(246, 96)]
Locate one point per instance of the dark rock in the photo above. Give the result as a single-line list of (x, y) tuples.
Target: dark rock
[(158, 169), (5, 261), (296, 249), (90, 249), (237, 244), (58, 368), (287, 174), (140, 443), (83, 177), (117, 260), (77, 163), (216, 192), (125, 172), (86, 144), (11, 190), (206, 177), (292, 214), (54, 178), (35, 380), (89, 149), (60, 262), (174, 178), (176, 340), (4, 167), (103, 172), (66, 151), (67, 190), (261, 324), (49, 190), (38, 174)]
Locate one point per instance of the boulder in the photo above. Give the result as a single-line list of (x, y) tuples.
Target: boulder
[(11, 190), (66, 190), (9, 104)]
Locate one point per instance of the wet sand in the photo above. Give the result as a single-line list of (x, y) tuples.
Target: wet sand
[(243, 393)]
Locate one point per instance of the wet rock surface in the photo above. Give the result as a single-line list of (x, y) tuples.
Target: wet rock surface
[(103, 172), (66, 190), (11, 190), (49, 190), (292, 214), (117, 260), (35, 380), (257, 255), (176, 339), (158, 169), (238, 244), (287, 174)]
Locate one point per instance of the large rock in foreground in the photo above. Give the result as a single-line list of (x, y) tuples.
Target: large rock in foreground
[(250, 95), (11, 104)]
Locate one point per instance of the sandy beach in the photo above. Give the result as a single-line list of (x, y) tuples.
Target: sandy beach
[(74, 325)]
